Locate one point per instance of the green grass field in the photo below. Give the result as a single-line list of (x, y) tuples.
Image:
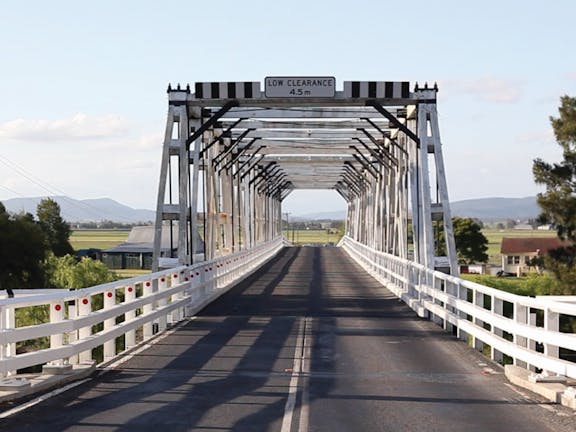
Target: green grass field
[(300, 237), (103, 239), (99, 239)]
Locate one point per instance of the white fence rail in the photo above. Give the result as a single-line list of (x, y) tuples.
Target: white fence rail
[(137, 308), (526, 329)]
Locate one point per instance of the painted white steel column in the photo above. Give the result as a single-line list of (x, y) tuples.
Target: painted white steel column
[(425, 203), (194, 157), (443, 190), (170, 122), (184, 178)]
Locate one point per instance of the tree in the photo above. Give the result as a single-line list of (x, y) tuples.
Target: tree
[(22, 251), (510, 223), (558, 203), (68, 272), (471, 244), (56, 229)]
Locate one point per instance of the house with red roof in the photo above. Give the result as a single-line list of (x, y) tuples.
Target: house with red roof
[(517, 252)]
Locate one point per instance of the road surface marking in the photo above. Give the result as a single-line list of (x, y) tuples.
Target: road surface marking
[(293, 387), (305, 402)]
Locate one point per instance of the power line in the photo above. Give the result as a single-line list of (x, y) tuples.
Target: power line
[(52, 190)]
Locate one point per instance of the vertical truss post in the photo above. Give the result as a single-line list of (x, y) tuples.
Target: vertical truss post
[(212, 192), (414, 180), (227, 193), (442, 207), (194, 159), (178, 127), (426, 240)]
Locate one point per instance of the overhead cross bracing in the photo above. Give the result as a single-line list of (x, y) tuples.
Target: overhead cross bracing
[(232, 154)]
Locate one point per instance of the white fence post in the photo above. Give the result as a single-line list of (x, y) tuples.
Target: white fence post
[(462, 294), (162, 319), (109, 345), (57, 315), (7, 322), (147, 328), (521, 316), (478, 302), (498, 310), (84, 308), (130, 315), (551, 324)]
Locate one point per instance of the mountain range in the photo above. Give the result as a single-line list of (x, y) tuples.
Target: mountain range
[(486, 209), (73, 210), (88, 210), (497, 208)]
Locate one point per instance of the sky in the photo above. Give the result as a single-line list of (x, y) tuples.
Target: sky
[(83, 84)]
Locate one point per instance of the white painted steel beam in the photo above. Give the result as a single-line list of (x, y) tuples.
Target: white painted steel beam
[(304, 112), (348, 141), (306, 134), (300, 124)]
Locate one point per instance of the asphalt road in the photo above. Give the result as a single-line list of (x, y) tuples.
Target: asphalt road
[(309, 343)]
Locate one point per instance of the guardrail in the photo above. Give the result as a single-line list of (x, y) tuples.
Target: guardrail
[(133, 309), (525, 329)]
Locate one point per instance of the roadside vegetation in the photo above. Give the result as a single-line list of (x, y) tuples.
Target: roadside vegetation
[(37, 253), (530, 285)]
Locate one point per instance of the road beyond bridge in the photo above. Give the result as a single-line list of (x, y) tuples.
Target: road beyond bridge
[(310, 342)]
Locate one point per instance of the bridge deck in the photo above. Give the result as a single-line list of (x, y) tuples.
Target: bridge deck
[(368, 364)]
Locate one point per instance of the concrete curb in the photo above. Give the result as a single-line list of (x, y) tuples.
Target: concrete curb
[(32, 384), (556, 392)]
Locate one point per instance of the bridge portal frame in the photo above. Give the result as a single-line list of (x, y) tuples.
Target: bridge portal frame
[(228, 163)]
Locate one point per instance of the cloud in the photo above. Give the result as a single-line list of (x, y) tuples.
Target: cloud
[(150, 142), (127, 144), (489, 89), (76, 128), (539, 137)]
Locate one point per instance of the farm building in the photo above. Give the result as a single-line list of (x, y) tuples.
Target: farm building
[(518, 252), (136, 251)]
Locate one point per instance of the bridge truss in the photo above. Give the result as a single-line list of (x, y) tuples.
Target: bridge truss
[(231, 155)]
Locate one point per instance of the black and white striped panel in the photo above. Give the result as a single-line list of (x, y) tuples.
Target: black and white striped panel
[(227, 90), (377, 89)]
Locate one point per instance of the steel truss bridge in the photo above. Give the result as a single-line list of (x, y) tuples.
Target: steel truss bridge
[(237, 330), (376, 143)]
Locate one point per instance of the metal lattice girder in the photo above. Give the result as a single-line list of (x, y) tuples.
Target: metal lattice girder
[(242, 153), (376, 123)]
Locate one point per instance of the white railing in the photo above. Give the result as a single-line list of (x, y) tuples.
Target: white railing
[(137, 308), (526, 329)]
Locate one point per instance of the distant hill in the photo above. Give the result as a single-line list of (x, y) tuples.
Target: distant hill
[(333, 215), (72, 210), (496, 208), (487, 209), (89, 210)]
